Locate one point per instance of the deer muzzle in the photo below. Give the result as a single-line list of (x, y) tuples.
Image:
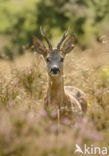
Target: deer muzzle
[(55, 70)]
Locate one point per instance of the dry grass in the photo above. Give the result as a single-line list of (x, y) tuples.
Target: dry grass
[(25, 129)]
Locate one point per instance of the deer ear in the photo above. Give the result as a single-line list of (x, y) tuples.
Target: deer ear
[(68, 45), (39, 46)]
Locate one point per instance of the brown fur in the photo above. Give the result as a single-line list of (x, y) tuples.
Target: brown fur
[(68, 99)]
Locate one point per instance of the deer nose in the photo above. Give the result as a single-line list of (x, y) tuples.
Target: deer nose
[(55, 70)]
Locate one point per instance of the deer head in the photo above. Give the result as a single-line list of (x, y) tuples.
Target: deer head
[(54, 57)]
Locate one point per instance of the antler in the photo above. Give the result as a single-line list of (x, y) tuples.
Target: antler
[(44, 36), (63, 38)]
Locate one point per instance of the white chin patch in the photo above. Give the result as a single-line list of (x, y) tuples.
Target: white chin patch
[(52, 74)]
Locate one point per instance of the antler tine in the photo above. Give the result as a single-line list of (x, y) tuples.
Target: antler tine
[(63, 38), (44, 36)]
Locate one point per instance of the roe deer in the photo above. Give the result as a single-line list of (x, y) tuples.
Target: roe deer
[(68, 99)]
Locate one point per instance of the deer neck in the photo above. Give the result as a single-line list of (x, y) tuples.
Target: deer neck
[(56, 90)]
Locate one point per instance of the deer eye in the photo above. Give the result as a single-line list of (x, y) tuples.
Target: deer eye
[(62, 59), (47, 59)]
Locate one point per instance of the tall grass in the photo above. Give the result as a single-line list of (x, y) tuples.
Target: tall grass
[(25, 128)]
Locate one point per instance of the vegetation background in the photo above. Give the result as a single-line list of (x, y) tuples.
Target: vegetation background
[(25, 128)]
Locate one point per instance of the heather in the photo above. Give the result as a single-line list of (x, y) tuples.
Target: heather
[(25, 127)]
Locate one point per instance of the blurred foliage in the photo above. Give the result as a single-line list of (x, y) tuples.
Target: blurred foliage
[(20, 20)]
